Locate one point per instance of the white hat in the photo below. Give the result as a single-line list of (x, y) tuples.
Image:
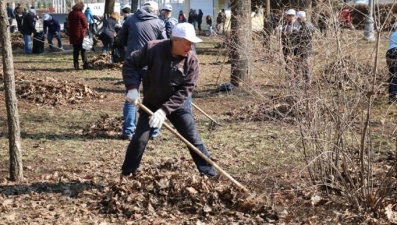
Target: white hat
[(167, 7), (290, 12), (46, 17), (186, 31), (32, 11), (152, 4), (301, 14), (126, 6)]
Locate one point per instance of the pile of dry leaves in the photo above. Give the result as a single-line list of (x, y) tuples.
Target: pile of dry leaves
[(17, 42), (103, 61), (170, 193), (281, 108), (53, 92), (104, 127)]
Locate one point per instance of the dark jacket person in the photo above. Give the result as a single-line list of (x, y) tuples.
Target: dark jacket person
[(172, 73)]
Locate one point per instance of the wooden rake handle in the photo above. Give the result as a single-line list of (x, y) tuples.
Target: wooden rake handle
[(196, 150)]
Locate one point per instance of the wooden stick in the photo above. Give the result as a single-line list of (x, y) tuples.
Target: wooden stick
[(209, 117), (196, 150)]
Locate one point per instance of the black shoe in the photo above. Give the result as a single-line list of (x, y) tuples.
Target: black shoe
[(85, 66), (126, 137), (76, 66), (125, 177)]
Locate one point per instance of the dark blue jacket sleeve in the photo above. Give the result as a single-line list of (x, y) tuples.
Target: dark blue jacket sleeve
[(45, 26), (132, 67)]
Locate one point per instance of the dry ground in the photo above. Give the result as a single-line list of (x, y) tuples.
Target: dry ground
[(71, 165)]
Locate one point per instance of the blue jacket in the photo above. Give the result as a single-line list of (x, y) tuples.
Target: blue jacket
[(89, 16), (52, 25), (393, 40), (140, 28), (10, 13)]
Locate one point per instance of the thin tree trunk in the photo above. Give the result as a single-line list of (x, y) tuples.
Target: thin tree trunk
[(16, 171), (240, 43), (134, 5), (109, 7)]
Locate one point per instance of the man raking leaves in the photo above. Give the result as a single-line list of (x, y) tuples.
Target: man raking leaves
[(172, 74)]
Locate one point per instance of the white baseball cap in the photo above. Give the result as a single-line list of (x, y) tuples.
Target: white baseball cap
[(301, 14), (186, 31), (167, 7), (152, 4), (32, 11), (46, 16), (290, 12), (126, 6)]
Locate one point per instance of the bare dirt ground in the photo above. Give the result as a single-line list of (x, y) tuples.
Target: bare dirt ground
[(71, 122)]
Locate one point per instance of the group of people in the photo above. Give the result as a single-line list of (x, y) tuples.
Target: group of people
[(296, 36)]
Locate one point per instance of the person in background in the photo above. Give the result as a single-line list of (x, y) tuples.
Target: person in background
[(194, 18), (287, 30), (77, 29), (126, 10), (28, 29), (219, 22), (223, 14), (199, 19), (10, 14), (90, 20), (391, 60), (109, 31), (65, 26), (303, 46), (181, 17), (208, 20), (345, 18), (18, 13), (54, 28), (143, 26), (169, 21), (165, 89), (322, 23)]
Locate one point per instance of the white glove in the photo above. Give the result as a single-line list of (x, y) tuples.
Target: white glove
[(157, 119), (132, 96)]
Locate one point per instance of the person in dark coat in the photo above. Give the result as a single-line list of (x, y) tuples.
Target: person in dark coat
[(181, 17), (109, 31), (137, 30), (77, 29), (28, 29), (54, 28), (166, 90), (18, 13), (199, 19), (10, 13)]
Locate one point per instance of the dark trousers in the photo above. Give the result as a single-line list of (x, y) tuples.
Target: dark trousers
[(76, 50), (19, 23), (183, 121), (199, 26), (391, 60)]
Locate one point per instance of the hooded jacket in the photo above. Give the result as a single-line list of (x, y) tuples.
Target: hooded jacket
[(140, 28), (52, 25), (89, 16)]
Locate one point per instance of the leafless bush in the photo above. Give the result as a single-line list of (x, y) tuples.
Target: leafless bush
[(342, 120)]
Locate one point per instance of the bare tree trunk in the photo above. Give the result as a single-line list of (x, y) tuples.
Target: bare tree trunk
[(109, 8), (240, 43), (134, 5), (16, 171)]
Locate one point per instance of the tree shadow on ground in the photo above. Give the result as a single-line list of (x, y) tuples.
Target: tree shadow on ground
[(47, 69), (69, 136), (71, 189)]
